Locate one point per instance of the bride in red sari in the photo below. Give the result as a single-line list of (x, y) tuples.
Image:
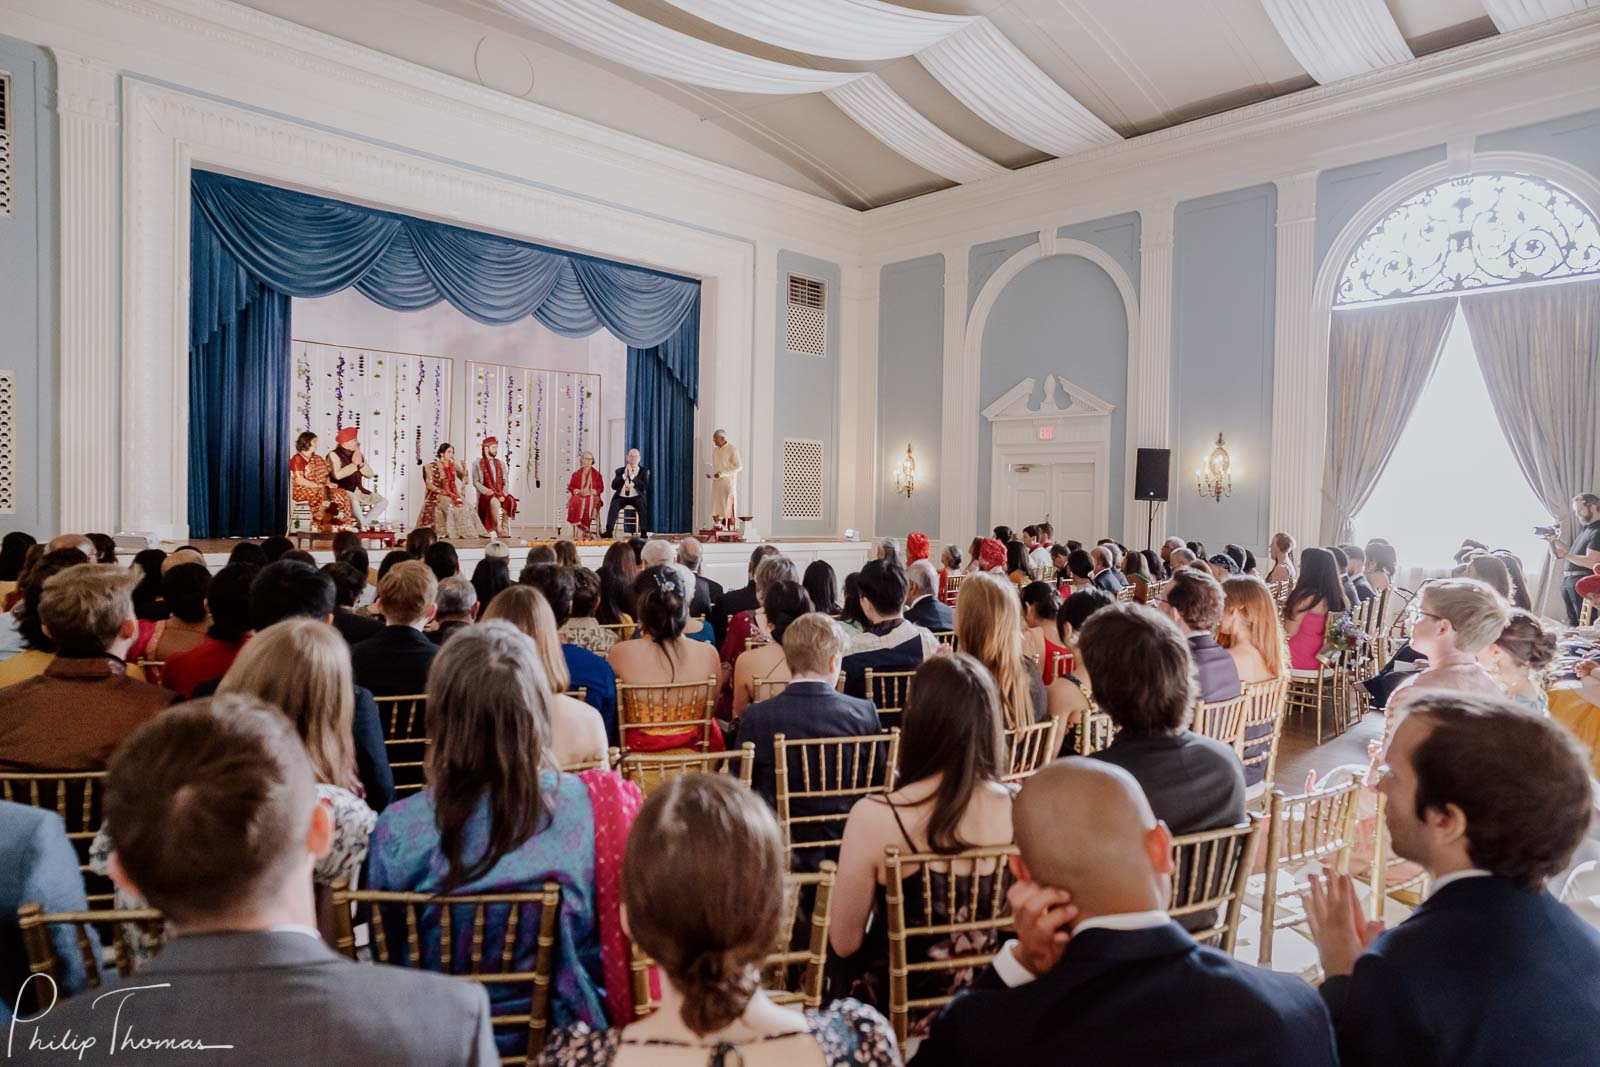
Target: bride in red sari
[(583, 495)]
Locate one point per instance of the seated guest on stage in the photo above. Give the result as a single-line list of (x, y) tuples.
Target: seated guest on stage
[(228, 601), (949, 797), (443, 560), (1040, 603), (809, 706), (1318, 592), (311, 483), (395, 662), (1253, 636), (923, 607), (444, 502), (239, 953), (586, 669), (38, 648), (741, 599), (348, 584), (699, 842), (1144, 678), (751, 627), (496, 507), (583, 629), (583, 497), (577, 732), (783, 603), (1097, 961), (1194, 601), (457, 607), (490, 576), (1490, 969), (76, 713), (661, 654), (1102, 573), (38, 865), (499, 817), (989, 629), (707, 594), (822, 585), (630, 488), (617, 571), (183, 590), (889, 642)]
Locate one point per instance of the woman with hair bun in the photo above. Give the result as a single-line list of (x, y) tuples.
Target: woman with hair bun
[(1519, 658), (701, 841), (661, 654)]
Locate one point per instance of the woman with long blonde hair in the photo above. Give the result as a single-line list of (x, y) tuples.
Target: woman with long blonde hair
[(577, 733), (1250, 629), (988, 626)]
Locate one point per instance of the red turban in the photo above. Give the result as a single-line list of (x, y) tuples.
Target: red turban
[(992, 554), (487, 441), (916, 547), (348, 434)]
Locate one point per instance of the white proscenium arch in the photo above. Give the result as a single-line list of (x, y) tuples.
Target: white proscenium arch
[(1580, 183), (958, 501)]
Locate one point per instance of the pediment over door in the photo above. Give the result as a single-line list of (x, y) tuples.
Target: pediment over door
[(1062, 400)]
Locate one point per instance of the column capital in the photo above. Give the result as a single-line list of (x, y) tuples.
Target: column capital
[(1297, 198), (85, 88), (1156, 223)]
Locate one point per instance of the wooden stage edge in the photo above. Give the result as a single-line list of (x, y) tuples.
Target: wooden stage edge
[(221, 546)]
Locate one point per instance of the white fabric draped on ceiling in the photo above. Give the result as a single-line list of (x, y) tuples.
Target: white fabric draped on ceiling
[(967, 54), (1511, 15), (882, 113), (1336, 39)]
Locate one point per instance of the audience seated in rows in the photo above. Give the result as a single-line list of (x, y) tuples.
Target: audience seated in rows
[(38, 865), (1355, 567), (1070, 619), (395, 662), (783, 603), (585, 670), (577, 732), (742, 599), (889, 642), (617, 572), (1102, 573), (948, 797), (1040, 603), (37, 649), (923, 606), (442, 559), (1194, 601), (661, 654), (989, 629), (74, 714), (348, 586), (490, 576), (1099, 969), (751, 627), (707, 593), (183, 592), (1519, 660), (457, 606), (228, 604), (1038, 549), (822, 586), (1136, 572), (1490, 969), (582, 628), (1253, 637), (241, 958)]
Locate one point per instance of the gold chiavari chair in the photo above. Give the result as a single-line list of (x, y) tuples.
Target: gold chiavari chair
[(152, 669), (1586, 614), (1306, 830), (946, 638), (1031, 747), (1309, 692), (1263, 712), (1407, 890), (1210, 871), (500, 925), (622, 631), (76, 797), (831, 773), (778, 970), (924, 893), (1095, 732), (952, 587), (579, 692), (767, 688), (608, 762), (756, 640), (681, 708), (405, 739), (889, 692), (1156, 591), (1127, 594), (648, 770), (111, 927), (1221, 719), (1060, 663)]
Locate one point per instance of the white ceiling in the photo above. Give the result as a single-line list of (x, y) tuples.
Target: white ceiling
[(1140, 65)]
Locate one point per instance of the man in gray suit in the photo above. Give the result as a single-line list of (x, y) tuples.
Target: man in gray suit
[(243, 976)]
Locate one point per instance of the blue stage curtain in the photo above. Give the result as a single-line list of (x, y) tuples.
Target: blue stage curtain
[(663, 388), (254, 246)]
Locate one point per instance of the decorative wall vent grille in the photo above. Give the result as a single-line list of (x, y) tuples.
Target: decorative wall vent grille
[(7, 208), (8, 443), (802, 478), (808, 316)]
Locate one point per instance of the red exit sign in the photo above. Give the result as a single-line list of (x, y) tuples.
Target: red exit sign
[(1047, 433)]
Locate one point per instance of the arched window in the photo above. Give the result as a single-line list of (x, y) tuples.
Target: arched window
[(1470, 233)]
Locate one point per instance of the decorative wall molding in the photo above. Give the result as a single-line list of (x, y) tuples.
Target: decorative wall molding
[(1062, 400), (1079, 431), (167, 131), (1299, 382)]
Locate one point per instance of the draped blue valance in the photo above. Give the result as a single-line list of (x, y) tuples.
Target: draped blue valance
[(253, 246)]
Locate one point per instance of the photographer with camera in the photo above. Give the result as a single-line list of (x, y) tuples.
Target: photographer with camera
[(1582, 556)]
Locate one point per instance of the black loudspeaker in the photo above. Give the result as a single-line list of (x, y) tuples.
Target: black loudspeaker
[(1151, 472)]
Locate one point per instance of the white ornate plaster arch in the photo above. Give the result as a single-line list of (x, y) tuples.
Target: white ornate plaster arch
[(166, 132), (958, 506)]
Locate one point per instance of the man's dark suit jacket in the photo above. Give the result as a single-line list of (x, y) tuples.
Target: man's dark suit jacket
[(1218, 674), (642, 485), (1135, 997), (278, 997), (356, 628), (1110, 579), (1364, 590), (1482, 973), (931, 614), (707, 595), (1193, 782), (394, 663), (732, 602)]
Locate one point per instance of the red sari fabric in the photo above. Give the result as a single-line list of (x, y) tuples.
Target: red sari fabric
[(583, 510), (616, 804)]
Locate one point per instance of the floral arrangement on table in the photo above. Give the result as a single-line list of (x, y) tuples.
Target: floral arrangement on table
[(1342, 636)]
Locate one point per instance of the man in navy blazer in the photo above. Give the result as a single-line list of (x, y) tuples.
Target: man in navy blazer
[(395, 662), (1490, 969), (923, 606), (1099, 973), (1194, 601)]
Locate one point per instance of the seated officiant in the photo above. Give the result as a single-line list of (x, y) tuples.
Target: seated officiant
[(630, 487)]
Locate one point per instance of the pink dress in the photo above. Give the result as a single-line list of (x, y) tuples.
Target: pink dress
[(1306, 642)]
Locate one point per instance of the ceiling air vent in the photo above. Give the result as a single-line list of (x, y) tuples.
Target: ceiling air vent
[(808, 316)]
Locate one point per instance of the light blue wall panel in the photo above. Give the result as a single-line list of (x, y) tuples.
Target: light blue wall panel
[(28, 287), (910, 392), (1224, 251), (807, 391), (983, 260), (1574, 139), (1118, 236), (1342, 191)]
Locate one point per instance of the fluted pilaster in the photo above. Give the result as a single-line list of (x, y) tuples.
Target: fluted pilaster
[(1299, 374)]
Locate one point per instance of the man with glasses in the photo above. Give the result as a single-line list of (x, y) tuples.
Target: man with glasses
[(1582, 555)]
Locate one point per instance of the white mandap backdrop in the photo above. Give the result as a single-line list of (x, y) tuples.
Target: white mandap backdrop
[(543, 419)]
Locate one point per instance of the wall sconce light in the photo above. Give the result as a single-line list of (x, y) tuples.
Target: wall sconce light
[(905, 474), (1213, 479)]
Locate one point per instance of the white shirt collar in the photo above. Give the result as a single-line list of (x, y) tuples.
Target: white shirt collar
[(1457, 876), (1131, 920), (919, 600)]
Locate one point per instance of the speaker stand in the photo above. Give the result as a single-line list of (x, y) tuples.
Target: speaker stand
[(1150, 524)]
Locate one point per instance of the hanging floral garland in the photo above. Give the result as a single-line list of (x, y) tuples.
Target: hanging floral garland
[(438, 402), (338, 392), (303, 369), (511, 396), (538, 429), (583, 408)]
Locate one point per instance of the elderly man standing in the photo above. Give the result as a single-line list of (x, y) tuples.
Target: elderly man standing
[(725, 468)]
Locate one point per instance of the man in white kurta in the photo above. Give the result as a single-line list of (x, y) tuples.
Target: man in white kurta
[(725, 468)]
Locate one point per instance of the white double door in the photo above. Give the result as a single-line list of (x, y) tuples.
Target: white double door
[(1061, 493)]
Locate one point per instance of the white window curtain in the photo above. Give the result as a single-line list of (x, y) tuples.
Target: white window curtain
[(1539, 348), (1379, 360), (1336, 39)]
